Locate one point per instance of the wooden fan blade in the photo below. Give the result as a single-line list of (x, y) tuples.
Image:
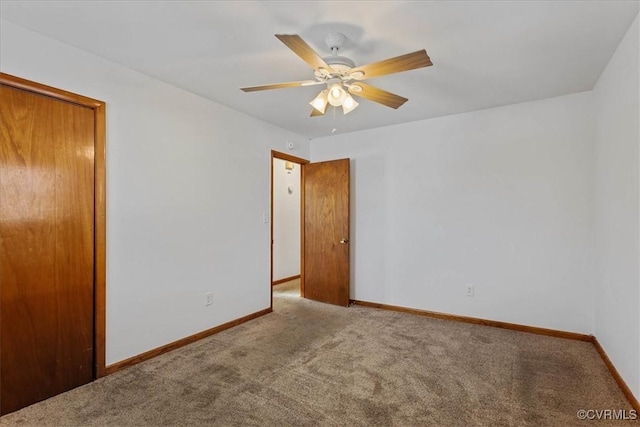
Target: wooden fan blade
[(303, 50), (407, 62), (316, 113), (281, 85), (375, 94)]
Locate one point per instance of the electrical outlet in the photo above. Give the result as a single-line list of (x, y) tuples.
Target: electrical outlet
[(208, 298), (470, 290)]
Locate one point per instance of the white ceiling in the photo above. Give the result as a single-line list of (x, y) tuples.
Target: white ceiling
[(485, 53)]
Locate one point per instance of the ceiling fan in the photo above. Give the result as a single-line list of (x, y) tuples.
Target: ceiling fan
[(341, 76)]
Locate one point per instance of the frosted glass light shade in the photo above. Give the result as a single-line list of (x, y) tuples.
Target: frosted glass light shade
[(336, 95), (320, 101), (349, 104)]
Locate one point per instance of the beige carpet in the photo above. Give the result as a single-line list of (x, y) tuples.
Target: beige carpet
[(314, 364)]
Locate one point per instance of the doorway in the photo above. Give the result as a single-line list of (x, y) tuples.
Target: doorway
[(324, 228), (52, 241), (286, 221)]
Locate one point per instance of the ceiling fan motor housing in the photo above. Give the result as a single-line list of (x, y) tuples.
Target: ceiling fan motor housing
[(341, 64)]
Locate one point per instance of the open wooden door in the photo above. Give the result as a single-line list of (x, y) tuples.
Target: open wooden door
[(326, 232)]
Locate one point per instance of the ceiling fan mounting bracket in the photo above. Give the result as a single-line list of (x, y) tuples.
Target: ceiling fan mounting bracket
[(334, 41), (340, 65)]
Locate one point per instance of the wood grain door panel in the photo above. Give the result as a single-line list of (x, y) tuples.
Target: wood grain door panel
[(326, 232), (46, 247)]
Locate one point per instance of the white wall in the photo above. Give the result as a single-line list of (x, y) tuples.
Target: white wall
[(187, 185), (286, 220), (617, 308), (500, 198)]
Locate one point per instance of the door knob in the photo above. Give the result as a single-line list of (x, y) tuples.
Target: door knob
[(343, 241)]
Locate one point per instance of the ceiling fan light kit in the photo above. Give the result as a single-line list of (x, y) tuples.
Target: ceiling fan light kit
[(341, 76)]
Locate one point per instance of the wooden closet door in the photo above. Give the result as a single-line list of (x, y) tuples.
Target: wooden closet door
[(46, 247)]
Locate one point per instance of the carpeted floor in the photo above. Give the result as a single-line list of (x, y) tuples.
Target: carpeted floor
[(314, 364)]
